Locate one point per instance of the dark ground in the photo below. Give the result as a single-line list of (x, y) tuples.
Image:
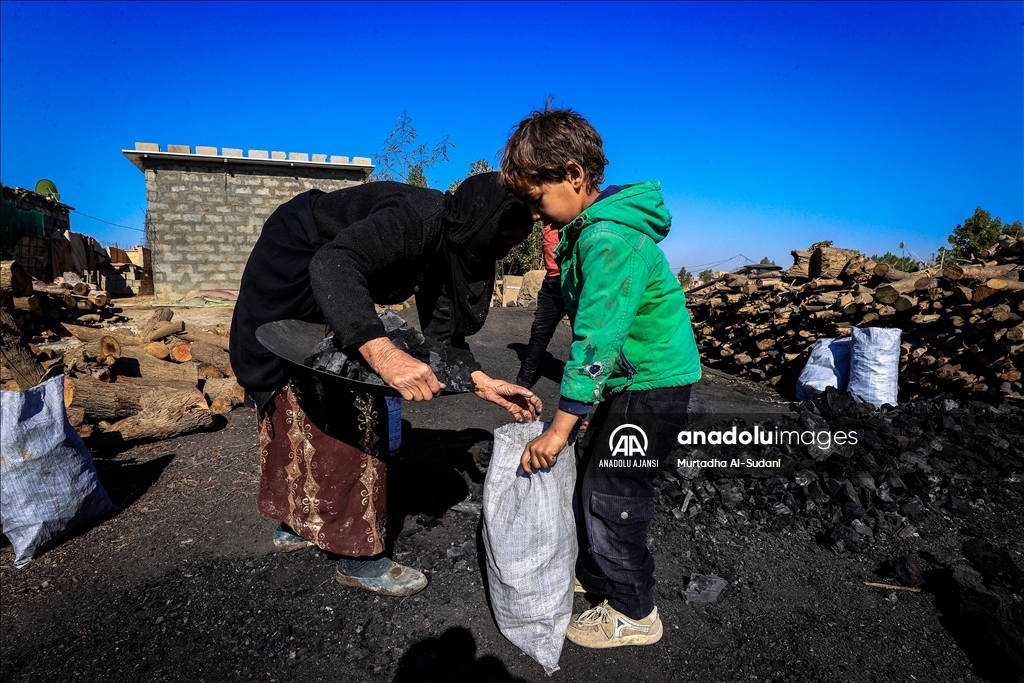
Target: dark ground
[(183, 584)]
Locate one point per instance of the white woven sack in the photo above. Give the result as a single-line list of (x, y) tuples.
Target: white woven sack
[(827, 366), (48, 484), (875, 365), (529, 534)]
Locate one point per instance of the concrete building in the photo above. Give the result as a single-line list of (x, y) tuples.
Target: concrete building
[(205, 209)]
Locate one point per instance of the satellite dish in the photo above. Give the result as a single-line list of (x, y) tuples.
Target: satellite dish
[(45, 186)]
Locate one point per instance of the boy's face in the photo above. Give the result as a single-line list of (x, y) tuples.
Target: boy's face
[(557, 203)]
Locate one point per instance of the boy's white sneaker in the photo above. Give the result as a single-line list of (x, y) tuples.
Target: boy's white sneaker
[(604, 626)]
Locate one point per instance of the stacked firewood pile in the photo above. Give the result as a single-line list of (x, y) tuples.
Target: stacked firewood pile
[(161, 382), (38, 306), (158, 383), (962, 324)]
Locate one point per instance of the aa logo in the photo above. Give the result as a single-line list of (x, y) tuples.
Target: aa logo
[(628, 440)]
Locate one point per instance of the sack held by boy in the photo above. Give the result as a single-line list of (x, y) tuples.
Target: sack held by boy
[(633, 353)]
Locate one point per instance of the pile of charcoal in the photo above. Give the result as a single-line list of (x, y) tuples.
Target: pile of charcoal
[(452, 373), (909, 461)]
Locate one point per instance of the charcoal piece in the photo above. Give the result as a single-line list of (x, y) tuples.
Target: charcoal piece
[(731, 497), (906, 570), (897, 486), (916, 482), (995, 564), (704, 588), (483, 456), (862, 528), (326, 356), (855, 511), (839, 538), (833, 487), (426, 521), (863, 480), (882, 524), (847, 494), (953, 503), (804, 477)]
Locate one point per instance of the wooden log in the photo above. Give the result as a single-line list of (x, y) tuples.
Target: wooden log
[(164, 330), (83, 305), (1008, 285), (828, 261), (887, 294), (164, 415), (208, 371), (1015, 333), (925, 283), (89, 334), (956, 273), (80, 289), (890, 274), (14, 279), (736, 280), (88, 318), (822, 283), (904, 303), (157, 350), (221, 393), (179, 351), (159, 316), (208, 353), (76, 416), (98, 298), (103, 348), (162, 384), (982, 293), (135, 362), (26, 303), (801, 264), (53, 290), (16, 355)]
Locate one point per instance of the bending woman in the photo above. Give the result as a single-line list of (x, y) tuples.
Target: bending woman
[(329, 257)]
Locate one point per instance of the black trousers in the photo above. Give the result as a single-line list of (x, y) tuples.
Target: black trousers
[(619, 457), (550, 311)]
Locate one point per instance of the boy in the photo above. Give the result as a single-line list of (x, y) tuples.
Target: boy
[(633, 352)]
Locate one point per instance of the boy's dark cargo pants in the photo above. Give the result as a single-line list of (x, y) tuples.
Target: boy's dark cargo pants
[(614, 501)]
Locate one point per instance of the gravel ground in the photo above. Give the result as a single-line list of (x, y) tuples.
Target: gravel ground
[(182, 583)]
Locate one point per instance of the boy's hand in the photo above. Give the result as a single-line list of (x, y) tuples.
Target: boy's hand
[(519, 401), (543, 451), (413, 379)]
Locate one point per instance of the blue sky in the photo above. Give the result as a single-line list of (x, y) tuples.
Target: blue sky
[(769, 125)]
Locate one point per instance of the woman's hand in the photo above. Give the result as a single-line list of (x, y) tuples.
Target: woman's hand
[(543, 451), (413, 379), (520, 401)]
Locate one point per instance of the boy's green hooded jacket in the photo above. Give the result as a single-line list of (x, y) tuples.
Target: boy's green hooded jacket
[(631, 330)]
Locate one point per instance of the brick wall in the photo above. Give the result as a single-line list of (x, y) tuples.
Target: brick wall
[(205, 211)]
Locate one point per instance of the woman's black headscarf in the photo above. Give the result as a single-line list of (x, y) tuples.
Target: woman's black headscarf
[(475, 216)]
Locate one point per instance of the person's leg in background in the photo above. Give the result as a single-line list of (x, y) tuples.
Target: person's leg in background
[(550, 311)]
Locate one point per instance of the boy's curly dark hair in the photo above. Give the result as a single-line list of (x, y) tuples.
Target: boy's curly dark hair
[(544, 142)]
